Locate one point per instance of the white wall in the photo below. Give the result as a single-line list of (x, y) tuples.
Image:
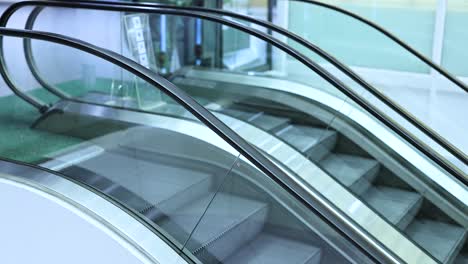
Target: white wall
[(38, 228), (59, 63)]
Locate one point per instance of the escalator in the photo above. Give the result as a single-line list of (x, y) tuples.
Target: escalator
[(384, 187), (187, 183), (321, 141)]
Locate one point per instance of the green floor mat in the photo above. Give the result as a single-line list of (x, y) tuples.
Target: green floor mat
[(18, 141)]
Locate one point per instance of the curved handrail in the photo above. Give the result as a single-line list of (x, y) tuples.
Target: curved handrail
[(400, 42), (357, 236), (151, 8), (413, 120)]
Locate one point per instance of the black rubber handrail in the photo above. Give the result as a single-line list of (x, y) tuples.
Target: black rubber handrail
[(410, 118), (151, 8), (397, 40), (368, 245)]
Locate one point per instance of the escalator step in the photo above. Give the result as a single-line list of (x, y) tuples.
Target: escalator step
[(264, 121), (313, 142), (273, 249), (239, 114), (164, 186), (229, 223), (398, 206), (352, 171), (442, 240), (268, 122)]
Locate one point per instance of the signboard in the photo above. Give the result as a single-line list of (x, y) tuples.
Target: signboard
[(139, 40)]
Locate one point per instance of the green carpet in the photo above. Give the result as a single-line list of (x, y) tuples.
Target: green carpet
[(18, 141)]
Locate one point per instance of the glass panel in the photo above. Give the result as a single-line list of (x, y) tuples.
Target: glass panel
[(151, 164), (303, 123), (427, 96), (170, 170), (399, 75), (368, 48), (250, 219), (193, 46)]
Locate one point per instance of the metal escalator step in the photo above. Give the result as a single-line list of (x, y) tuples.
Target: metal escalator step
[(264, 121), (442, 240), (269, 122), (271, 249), (313, 142), (165, 187), (182, 197), (239, 114), (352, 171), (229, 223), (398, 206)]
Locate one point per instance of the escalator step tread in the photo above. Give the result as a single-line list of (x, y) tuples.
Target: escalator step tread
[(240, 114), (272, 249), (442, 240), (268, 122), (264, 121), (225, 212), (305, 137), (397, 205), (352, 171)]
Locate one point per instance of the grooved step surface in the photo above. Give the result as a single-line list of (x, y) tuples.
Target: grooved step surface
[(260, 119), (156, 183), (242, 115), (224, 213), (398, 206), (442, 240), (305, 137), (268, 122), (352, 171), (271, 249)]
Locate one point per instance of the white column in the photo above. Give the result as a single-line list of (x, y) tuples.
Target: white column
[(439, 29), (437, 48), (280, 18)]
